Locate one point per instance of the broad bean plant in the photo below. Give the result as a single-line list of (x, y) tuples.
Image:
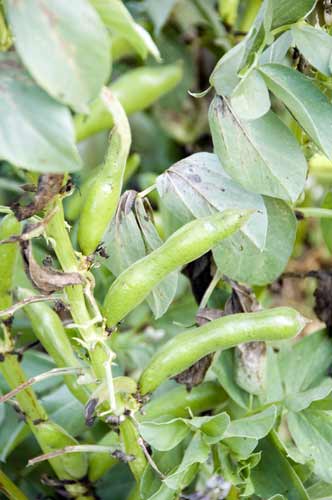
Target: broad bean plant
[(165, 249)]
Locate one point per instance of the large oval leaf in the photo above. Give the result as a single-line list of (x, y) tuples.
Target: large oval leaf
[(262, 155), (197, 186), (44, 127), (286, 12), (68, 56), (242, 261), (307, 103)]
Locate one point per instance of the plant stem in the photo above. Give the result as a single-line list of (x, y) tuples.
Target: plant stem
[(321, 213), (10, 490), (91, 334)]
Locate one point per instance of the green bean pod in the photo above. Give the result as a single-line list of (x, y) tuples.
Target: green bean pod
[(185, 245), (103, 196), (179, 402), (50, 332), (188, 347), (136, 90), (130, 436), (99, 463), (73, 204), (9, 226)]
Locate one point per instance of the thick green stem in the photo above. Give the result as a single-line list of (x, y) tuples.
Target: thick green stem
[(9, 489), (319, 213), (91, 334)]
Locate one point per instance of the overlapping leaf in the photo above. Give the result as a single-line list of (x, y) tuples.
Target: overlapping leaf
[(120, 22), (70, 59), (131, 237), (45, 127), (285, 12), (309, 106), (262, 155), (198, 185), (315, 45), (243, 261)]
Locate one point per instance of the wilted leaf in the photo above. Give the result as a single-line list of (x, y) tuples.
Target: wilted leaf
[(45, 278), (47, 142), (68, 59), (49, 185), (262, 155)]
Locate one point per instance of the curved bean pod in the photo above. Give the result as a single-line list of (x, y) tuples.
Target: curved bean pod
[(187, 244), (103, 196), (50, 332), (186, 348), (136, 90)]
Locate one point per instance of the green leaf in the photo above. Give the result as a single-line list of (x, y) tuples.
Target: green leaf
[(326, 224), (285, 12), (258, 35), (314, 352), (67, 56), (120, 22), (159, 12), (256, 426), (224, 77), (274, 474), (320, 491), (213, 427), (309, 106), (277, 51), (131, 237), (262, 155), (250, 99), (198, 186), (311, 431), (164, 435), (241, 260), (315, 45), (47, 142), (151, 485), (197, 452), (298, 402), (224, 370)]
